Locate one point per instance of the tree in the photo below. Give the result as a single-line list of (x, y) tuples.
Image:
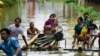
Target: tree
[(9, 3)]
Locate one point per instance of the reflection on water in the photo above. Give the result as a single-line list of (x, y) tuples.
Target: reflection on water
[(9, 14), (42, 12)]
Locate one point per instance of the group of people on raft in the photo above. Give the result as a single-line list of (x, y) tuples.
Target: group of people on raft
[(9, 35), (84, 32), (49, 32)]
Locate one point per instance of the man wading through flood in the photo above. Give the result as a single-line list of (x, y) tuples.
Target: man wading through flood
[(16, 29), (32, 30), (10, 45)]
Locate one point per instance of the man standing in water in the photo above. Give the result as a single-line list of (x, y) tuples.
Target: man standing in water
[(32, 31), (97, 36), (10, 45), (16, 30), (86, 20)]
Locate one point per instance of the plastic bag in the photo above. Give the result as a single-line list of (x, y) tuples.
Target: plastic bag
[(84, 30)]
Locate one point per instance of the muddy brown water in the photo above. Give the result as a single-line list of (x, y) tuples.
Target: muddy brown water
[(41, 14)]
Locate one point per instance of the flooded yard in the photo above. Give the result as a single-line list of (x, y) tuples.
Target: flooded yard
[(41, 13)]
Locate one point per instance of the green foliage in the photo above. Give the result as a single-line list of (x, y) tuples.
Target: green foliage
[(9, 3), (70, 1), (56, 0), (93, 14), (67, 1)]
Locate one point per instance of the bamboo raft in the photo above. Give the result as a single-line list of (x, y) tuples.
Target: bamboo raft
[(75, 50), (53, 44)]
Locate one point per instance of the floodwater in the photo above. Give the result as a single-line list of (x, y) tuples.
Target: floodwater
[(41, 14)]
